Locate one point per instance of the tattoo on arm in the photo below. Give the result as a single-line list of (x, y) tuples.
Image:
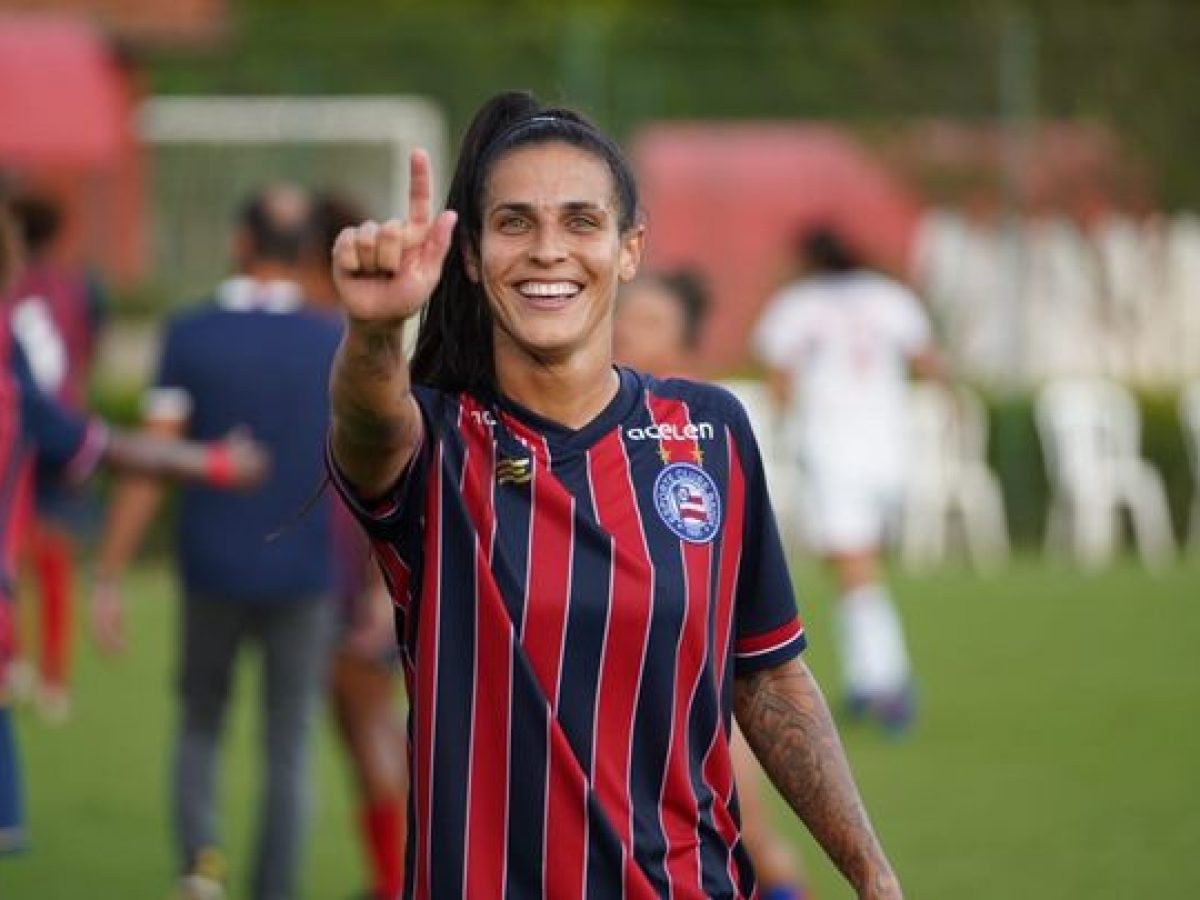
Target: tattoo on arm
[(371, 397), (376, 421), (381, 355), (785, 719), (365, 425)]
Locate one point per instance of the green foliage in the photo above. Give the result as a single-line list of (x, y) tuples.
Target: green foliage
[(117, 401), (1015, 454), (144, 302), (1129, 64), (1164, 445)]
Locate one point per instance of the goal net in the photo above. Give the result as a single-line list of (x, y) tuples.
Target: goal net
[(206, 154)]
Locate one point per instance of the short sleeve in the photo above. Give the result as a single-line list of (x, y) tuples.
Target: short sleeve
[(767, 630), (68, 445), (169, 396)]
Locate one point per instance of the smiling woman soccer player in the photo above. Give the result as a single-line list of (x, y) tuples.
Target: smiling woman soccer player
[(585, 561)]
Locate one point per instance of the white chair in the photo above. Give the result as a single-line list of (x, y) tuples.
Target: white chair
[(949, 481), (1090, 431), (1189, 417)]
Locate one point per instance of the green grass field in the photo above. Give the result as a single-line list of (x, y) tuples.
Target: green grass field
[(1057, 755)]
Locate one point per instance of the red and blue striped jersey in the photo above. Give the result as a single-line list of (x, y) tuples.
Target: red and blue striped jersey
[(34, 426), (75, 304), (573, 606)]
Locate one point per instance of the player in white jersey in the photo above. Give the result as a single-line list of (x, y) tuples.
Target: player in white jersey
[(840, 343)]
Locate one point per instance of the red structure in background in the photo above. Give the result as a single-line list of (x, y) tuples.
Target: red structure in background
[(163, 23), (730, 201), (1078, 169), (67, 104)]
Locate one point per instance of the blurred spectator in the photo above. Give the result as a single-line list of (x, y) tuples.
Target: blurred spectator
[(659, 322), (839, 343), (56, 311), (364, 668), (254, 568), (657, 329), (34, 424)]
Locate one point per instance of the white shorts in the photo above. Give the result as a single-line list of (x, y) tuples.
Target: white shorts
[(846, 509)]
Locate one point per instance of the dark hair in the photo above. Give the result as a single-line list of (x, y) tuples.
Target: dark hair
[(454, 346), (39, 219), (10, 246), (332, 211), (825, 250), (278, 232)]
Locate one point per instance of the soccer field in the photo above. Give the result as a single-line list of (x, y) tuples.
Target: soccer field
[(1057, 753)]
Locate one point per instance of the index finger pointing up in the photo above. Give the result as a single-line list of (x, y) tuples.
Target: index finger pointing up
[(419, 188)]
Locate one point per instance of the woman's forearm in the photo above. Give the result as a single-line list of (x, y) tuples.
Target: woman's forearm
[(787, 723), (376, 423)]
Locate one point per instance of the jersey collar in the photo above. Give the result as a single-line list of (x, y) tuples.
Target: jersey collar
[(559, 435)]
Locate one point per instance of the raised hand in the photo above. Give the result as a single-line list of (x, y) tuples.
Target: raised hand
[(386, 273)]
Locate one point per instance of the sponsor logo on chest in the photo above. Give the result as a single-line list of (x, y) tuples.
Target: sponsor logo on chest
[(668, 431)]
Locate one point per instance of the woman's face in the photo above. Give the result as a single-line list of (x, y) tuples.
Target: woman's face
[(551, 252)]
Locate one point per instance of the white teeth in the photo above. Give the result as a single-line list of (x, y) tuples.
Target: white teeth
[(548, 288)]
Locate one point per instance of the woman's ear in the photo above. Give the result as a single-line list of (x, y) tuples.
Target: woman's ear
[(633, 242)]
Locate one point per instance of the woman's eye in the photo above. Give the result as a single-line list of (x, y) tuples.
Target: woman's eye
[(583, 223), (513, 225)]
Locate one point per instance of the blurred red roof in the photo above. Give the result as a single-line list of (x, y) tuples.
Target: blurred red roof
[(144, 23), (731, 199), (61, 101), (67, 100)]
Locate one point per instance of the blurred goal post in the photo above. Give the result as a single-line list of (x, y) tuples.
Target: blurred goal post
[(206, 153)]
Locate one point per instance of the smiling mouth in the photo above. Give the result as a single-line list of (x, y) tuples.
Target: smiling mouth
[(548, 294)]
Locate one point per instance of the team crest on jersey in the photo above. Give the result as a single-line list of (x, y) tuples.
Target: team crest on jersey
[(687, 501)]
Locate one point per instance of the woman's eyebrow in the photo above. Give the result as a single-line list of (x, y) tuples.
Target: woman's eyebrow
[(525, 208)]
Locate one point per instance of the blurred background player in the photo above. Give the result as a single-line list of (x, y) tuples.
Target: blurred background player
[(364, 665), (33, 424), (840, 343), (57, 310), (254, 568), (657, 329)]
